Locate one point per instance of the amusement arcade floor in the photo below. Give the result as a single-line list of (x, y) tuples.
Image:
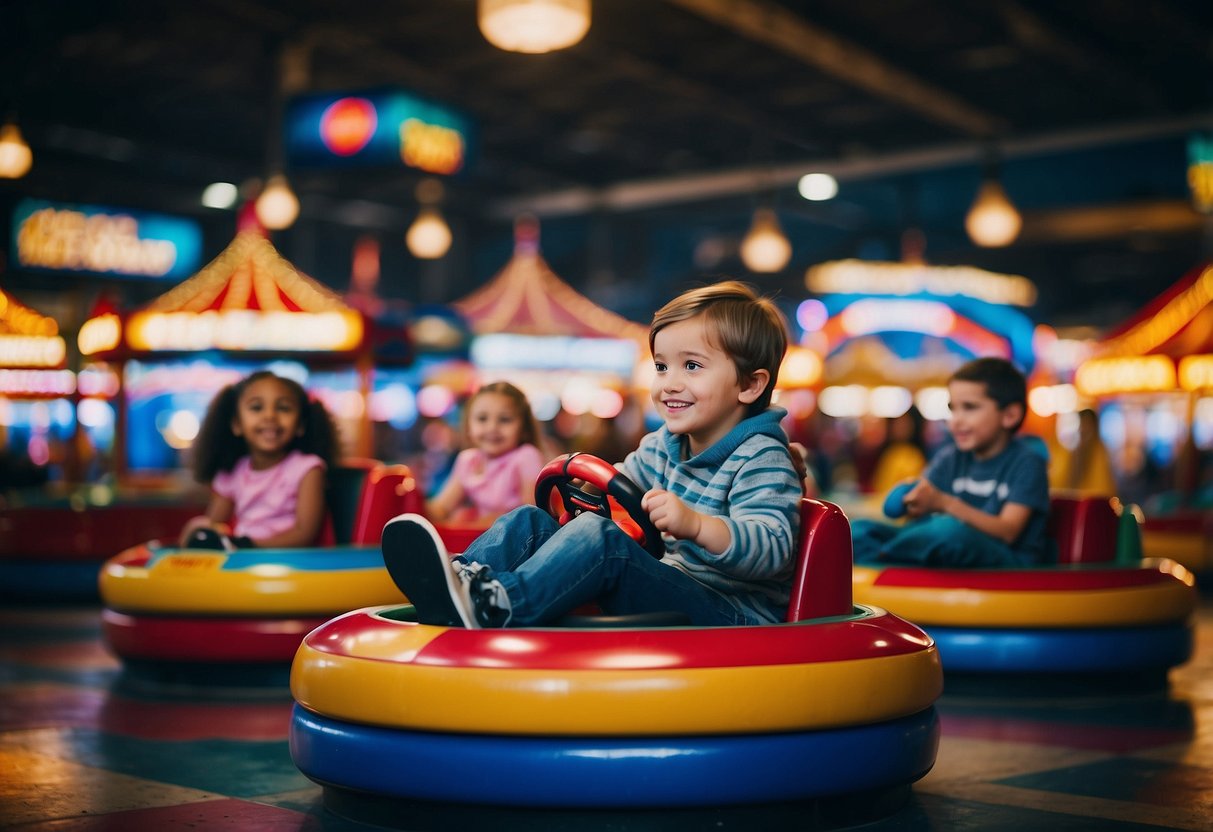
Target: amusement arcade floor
[(86, 747)]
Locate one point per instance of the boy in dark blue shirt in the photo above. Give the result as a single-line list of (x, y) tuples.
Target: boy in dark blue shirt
[(982, 501)]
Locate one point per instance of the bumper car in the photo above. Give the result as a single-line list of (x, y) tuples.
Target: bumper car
[(1102, 609), (1185, 537), (618, 712), (52, 549), (201, 607)]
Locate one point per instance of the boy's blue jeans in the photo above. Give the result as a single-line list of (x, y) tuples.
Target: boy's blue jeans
[(548, 570), (938, 540)]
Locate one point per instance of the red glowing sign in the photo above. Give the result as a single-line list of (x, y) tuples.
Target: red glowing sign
[(347, 125)]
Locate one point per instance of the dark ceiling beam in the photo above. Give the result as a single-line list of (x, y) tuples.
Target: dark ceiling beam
[(1034, 34), (727, 107), (1097, 222), (651, 193), (768, 23)]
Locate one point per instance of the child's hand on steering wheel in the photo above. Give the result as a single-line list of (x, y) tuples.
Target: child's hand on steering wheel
[(671, 515)]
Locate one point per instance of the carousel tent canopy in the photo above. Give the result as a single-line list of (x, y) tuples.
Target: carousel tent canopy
[(977, 311), (527, 298), (1178, 323), (249, 298), (28, 338), (1167, 346), (870, 362), (32, 353)]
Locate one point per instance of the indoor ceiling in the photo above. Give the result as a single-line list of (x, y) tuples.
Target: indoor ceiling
[(645, 148)]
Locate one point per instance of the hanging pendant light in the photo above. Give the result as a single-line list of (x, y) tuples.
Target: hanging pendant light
[(15, 156), (429, 237), (765, 248), (533, 26), (992, 220), (277, 207)]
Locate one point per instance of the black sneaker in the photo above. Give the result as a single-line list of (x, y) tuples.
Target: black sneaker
[(444, 592), (490, 602)]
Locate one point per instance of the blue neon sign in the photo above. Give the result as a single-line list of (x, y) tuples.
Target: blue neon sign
[(56, 237), (376, 128)]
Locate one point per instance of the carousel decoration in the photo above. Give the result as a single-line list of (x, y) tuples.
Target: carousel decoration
[(249, 302), (1163, 356), (32, 353), (894, 332), (536, 331), (1167, 347), (527, 298), (247, 298)]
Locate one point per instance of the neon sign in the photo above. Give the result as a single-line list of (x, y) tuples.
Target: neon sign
[(84, 238), (37, 383), (1132, 374), (881, 315), (244, 329), (430, 147), (868, 316), (383, 127), (495, 351), (866, 278), (1196, 373), (347, 125), (32, 351)]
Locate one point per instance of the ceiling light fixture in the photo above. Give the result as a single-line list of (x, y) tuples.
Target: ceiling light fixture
[(992, 220), (15, 156), (817, 187), (429, 237), (220, 195), (533, 26), (277, 207), (765, 248)]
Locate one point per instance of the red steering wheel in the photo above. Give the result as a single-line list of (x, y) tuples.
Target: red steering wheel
[(619, 500)]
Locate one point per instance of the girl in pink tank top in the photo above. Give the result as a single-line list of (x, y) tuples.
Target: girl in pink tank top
[(264, 448), (497, 472)]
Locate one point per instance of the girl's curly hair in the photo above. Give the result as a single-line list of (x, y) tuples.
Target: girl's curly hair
[(218, 449)]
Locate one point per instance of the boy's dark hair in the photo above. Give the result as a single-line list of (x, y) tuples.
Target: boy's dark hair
[(1005, 384), (218, 449), (747, 326)]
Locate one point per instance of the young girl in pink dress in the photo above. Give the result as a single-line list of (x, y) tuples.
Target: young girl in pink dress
[(264, 448), (497, 472)]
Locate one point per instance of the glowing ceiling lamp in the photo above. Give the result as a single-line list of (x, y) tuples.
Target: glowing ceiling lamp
[(429, 237), (765, 248), (15, 156), (220, 195), (533, 26), (817, 187), (277, 207), (992, 220)]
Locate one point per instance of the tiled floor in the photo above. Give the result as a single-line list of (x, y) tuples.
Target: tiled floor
[(84, 747)]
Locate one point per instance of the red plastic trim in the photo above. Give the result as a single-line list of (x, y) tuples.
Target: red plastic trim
[(1037, 580), (205, 639), (876, 635)]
